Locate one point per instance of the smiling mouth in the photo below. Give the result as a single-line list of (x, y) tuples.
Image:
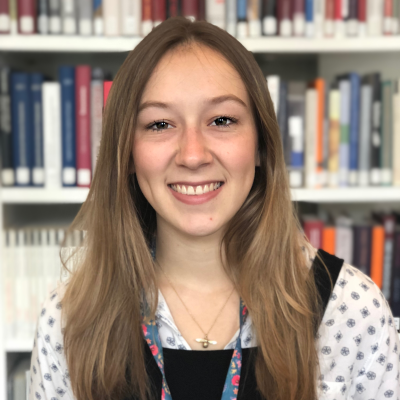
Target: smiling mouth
[(196, 190)]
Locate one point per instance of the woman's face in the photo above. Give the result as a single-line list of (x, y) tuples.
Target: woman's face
[(195, 129)]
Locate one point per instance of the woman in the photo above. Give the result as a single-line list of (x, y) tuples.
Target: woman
[(194, 281)]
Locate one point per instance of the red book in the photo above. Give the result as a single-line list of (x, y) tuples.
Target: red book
[(202, 10), (338, 10), (158, 9), (106, 90), (26, 16), (362, 10), (173, 9), (82, 115), (387, 17), (146, 10), (4, 16), (329, 17), (284, 14), (190, 8), (313, 229)]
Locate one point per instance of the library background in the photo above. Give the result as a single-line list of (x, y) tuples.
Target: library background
[(332, 67)]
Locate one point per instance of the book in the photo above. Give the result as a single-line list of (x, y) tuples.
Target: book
[(269, 22), (96, 101), (69, 17), (85, 17), (395, 281), (374, 17), (131, 12), (387, 133), (55, 16), (298, 17), (338, 19), (377, 253), (329, 239), (4, 16), (285, 23), (215, 12), (362, 247), (344, 238), (26, 16), (66, 75), (159, 11), (43, 17), (283, 121), (190, 9), (334, 135), (344, 146), (387, 17), (354, 128), (313, 228), (242, 29), (83, 147), (231, 16), (52, 134), (396, 132), (329, 26), (362, 17), (309, 17), (98, 26), (310, 151), (319, 17), (7, 165), (352, 20), (111, 16)]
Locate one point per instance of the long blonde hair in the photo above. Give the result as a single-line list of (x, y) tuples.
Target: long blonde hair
[(103, 338)]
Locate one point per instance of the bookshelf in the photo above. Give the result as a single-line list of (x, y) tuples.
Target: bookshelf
[(323, 57)]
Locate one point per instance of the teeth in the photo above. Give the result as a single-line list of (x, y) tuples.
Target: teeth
[(191, 191)]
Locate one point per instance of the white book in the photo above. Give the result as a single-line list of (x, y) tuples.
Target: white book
[(374, 17), (131, 16), (42, 267), (4, 22), (231, 16), (344, 239), (96, 115), (34, 275), (310, 151), (396, 134), (69, 17), (215, 12), (51, 264), (319, 17), (254, 17), (55, 26), (9, 242), (111, 13), (273, 82), (52, 134), (85, 17)]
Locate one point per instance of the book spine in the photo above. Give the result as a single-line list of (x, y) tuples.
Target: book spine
[(377, 252), (396, 133), (159, 12), (387, 17), (389, 221), (334, 137), (299, 18), (215, 14), (270, 26), (395, 17), (85, 17), (43, 17), (26, 16), (313, 230), (319, 138), (309, 16), (285, 23), (4, 16), (55, 16), (344, 147), (37, 126), (147, 21), (111, 17), (21, 128), (352, 21), (242, 28), (361, 248), (319, 17), (190, 9), (131, 17), (344, 241), (7, 170), (395, 287), (329, 239), (13, 17), (82, 101), (376, 136), (96, 118), (329, 28), (283, 121), (98, 25), (106, 90), (364, 150), (202, 10), (52, 134), (374, 17), (68, 122), (338, 17), (231, 16), (362, 17), (273, 82), (386, 144), (310, 162), (354, 128), (69, 16), (174, 8)]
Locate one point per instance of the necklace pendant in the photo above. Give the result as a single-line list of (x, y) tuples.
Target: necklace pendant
[(206, 342)]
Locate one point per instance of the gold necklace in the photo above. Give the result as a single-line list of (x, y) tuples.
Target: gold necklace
[(205, 340)]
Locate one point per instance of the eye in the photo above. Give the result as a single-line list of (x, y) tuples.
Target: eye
[(155, 123), (225, 117)]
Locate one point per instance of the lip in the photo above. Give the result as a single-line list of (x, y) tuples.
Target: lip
[(196, 199)]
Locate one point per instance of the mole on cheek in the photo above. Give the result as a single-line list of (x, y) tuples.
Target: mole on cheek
[(210, 219)]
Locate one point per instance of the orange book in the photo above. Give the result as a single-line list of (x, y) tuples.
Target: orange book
[(328, 239), (377, 252), (319, 142)]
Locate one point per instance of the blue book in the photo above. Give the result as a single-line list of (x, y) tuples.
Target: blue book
[(242, 10), (22, 132), (344, 145), (354, 127), (67, 82), (309, 10), (37, 126)]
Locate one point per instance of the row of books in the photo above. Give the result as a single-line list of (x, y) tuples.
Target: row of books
[(338, 134), (371, 244), (18, 378), (50, 131), (31, 268), (241, 18)]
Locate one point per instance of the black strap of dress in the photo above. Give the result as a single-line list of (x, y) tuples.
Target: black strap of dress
[(200, 375)]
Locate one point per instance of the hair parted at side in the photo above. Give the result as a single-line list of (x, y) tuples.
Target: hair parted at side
[(103, 338)]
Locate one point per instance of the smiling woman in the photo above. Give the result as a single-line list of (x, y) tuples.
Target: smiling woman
[(194, 279)]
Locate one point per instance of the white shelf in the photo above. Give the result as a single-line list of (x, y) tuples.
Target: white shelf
[(104, 44), (78, 195), (21, 195), (19, 346)]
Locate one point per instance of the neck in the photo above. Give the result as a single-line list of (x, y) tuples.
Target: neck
[(192, 262)]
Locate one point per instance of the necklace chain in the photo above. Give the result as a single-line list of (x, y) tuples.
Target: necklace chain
[(194, 319)]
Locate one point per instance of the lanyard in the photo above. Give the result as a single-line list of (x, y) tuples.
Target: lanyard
[(153, 340)]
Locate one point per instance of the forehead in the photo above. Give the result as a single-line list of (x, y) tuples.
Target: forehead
[(194, 70)]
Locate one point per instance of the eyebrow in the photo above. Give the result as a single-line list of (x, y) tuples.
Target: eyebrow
[(212, 101)]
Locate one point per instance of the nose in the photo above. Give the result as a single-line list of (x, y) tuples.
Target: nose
[(194, 149)]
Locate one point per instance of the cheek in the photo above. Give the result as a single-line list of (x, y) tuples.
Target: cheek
[(241, 159), (148, 160)]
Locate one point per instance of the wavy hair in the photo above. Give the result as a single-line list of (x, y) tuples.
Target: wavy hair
[(103, 338)]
